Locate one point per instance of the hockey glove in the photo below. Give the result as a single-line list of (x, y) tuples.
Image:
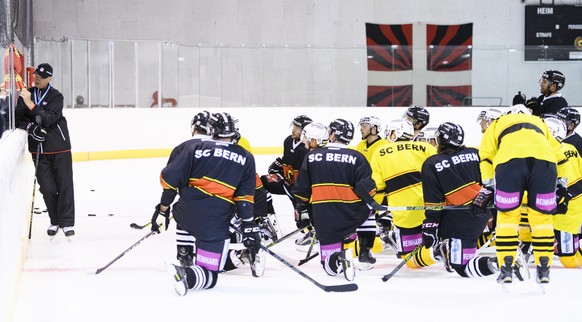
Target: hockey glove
[(563, 196), (519, 99), (251, 236), (36, 132), (302, 219), (158, 212), (430, 232), (276, 167), (532, 103), (483, 199)]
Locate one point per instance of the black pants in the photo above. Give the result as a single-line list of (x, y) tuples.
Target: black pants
[(55, 178)]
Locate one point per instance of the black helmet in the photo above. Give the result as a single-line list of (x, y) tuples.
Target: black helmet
[(450, 135), (420, 116), (222, 125), (343, 130), (569, 115), (301, 120), (200, 122), (554, 77)]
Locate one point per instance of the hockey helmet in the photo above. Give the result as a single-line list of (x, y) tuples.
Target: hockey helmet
[(554, 77), (450, 134), (315, 131), (343, 130), (200, 122), (403, 129), (489, 115), (222, 125), (427, 134), (301, 120), (569, 115), (418, 115), (556, 126), (373, 121)]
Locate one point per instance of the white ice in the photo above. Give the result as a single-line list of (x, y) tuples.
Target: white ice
[(59, 281)]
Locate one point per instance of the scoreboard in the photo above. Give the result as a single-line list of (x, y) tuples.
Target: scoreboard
[(553, 33)]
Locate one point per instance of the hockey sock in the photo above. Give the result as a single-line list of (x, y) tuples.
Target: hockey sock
[(200, 277), (542, 227), (477, 267)]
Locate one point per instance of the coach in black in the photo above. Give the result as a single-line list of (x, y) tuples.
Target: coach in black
[(39, 111)]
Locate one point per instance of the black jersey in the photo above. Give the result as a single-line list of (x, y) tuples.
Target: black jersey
[(293, 154), (549, 105), (454, 179), (335, 180), (210, 177)]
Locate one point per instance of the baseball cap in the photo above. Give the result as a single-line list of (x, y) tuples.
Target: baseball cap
[(44, 70)]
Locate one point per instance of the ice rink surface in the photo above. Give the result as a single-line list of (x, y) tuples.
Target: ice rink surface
[(59, 281)]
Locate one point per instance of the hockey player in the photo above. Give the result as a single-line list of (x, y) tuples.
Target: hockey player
[(452, 177), (571, 117), (551, 100), (518, 153), (370, 128), (567, 226), (212, 177), (336, 180), (428, 135), (486, 117), (184, 241), (396, 168), (314, 136), (283, 171), (418, 116)]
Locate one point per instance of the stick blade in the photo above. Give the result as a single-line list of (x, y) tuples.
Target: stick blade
[(341, 288)]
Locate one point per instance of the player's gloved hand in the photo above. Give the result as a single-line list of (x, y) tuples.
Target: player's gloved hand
[(483, 199), (302, 219), (251, 236), (430, 232), (532, 103), (563, 196), (519, 98), (276, 166), (36, 132), (158, 212)]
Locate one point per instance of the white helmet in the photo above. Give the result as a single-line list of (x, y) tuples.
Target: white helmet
[(403, 128), (517, 109), (373, 121), (426, 134), (489, 115), (556, 126), (315, 131)]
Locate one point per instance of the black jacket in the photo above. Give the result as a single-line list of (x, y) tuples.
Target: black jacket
[(50, 109)]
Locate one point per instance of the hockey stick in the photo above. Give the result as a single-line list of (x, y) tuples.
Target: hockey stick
[(328, 288), (39, 122), (99, 270), (286, 236), (140, 227), (309, 257), (390, 208), (485, 245), (404, 261)]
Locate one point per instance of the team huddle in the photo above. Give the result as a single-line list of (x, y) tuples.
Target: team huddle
[(418, 191)]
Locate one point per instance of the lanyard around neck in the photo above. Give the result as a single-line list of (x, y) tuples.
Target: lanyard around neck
[(38, 100)]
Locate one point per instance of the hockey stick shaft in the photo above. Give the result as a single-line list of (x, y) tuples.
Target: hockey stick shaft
[(328, 288), (33, 190), (404, 261), (286, 236), (485, 245), (140, 227), (99, 270), (307, 259)]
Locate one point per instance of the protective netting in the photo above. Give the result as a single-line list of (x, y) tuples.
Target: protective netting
[(15, 21)]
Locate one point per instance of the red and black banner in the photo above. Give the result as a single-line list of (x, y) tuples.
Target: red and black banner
[(449, 47), (447, 95), (389, 47), (390, 95)]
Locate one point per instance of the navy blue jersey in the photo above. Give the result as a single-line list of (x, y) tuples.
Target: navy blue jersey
[(454, 179), (211, 177), (335, 180)]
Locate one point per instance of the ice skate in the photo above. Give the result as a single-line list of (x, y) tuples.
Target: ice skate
[(520, 268), (257, 262), (543, 273), (505, 277), (52, 231), (178, 278), (346, 259)]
